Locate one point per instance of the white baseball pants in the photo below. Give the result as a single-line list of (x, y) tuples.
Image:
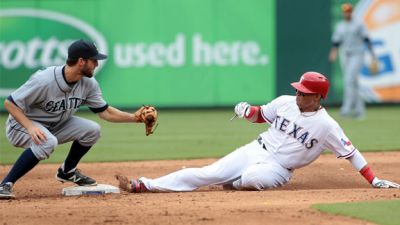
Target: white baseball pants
[(248, 167)]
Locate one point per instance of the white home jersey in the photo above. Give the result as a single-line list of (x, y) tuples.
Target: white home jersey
[(293, 140), (306, 135)]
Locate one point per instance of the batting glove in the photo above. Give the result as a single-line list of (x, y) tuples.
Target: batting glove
[(377, 183), (241, 108)]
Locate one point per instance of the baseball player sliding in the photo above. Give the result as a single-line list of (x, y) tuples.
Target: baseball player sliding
[(41, 116), (300, 130)]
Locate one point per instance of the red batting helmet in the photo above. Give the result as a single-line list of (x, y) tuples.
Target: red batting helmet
[(313, 83)]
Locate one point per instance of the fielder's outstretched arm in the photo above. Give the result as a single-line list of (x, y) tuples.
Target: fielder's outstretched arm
[(115, 115)]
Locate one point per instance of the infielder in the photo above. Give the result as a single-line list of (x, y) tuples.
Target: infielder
[(300, 130), (41, 116), (350, 35)]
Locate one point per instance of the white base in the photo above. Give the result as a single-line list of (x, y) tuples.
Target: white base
[(99, 189)]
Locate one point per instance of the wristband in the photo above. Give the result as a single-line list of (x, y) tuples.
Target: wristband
[(367, 173), (253, 114)]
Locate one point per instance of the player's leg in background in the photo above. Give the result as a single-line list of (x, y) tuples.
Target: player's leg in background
[(359, 103), (348, 86), (263, 176), (84, 133), (355, 106), (226, 169)]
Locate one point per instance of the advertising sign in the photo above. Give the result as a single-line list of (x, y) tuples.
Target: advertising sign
[(172, 53), (382, 19)]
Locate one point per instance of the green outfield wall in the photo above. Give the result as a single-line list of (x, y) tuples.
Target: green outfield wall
[(303, 40), (174, 53), (194, 53)]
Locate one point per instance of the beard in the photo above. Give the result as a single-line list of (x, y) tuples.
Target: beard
[(87, 72)]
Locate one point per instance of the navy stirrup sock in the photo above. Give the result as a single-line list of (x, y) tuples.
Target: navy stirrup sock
[(26, 161), (74, 156)]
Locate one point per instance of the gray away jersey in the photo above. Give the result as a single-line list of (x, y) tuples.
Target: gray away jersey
[(48, 99), (350, 35)]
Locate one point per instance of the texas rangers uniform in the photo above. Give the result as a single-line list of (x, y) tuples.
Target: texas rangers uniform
[(50, 102), (293, 140)]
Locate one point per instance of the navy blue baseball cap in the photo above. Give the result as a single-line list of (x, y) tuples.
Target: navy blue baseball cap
[(84, 49)]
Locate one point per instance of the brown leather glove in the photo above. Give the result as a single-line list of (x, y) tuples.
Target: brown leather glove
[(374, 67), (148, 116)]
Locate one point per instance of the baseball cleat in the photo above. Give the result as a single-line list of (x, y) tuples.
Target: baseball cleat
[(132, 186), (75, 177), (6, 191)]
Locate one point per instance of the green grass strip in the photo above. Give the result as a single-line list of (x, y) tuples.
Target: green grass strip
[(188, 134), (379, 212)]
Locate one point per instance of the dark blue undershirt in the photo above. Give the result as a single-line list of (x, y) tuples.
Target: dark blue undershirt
[(69, 83)]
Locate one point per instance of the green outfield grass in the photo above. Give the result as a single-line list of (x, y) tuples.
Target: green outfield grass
[(379, 212), (185, 134)]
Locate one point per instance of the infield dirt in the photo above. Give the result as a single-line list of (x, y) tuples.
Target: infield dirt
[(327, 180)]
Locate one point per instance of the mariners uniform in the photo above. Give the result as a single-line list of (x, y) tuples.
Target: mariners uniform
[(350, 36), (48, 100), (41, 116)]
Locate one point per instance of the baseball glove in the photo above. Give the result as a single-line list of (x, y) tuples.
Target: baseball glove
[(374, 67), (147, 115)]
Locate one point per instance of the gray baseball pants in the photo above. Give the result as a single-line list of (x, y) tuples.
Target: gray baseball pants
[(86, 132)]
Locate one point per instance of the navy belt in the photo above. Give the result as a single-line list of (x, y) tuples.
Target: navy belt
[(259, 140)]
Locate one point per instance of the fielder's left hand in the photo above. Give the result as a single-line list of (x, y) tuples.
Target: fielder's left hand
[(377, 183), (374, 67), (147, 115)]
